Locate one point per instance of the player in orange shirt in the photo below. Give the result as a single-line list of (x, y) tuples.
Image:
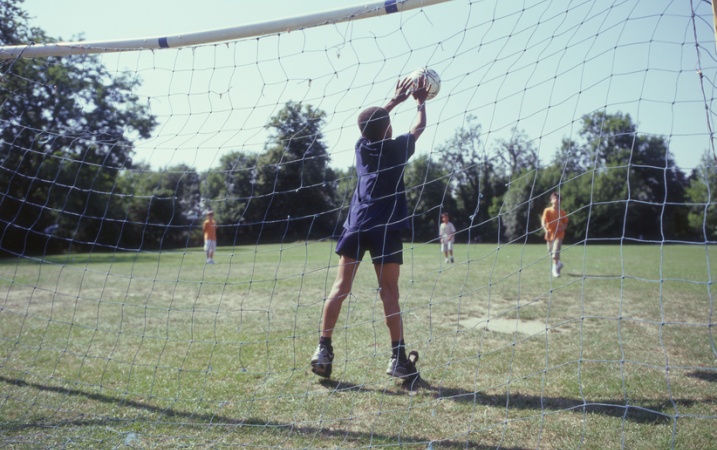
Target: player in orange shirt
[(210, 236), (554, 222)]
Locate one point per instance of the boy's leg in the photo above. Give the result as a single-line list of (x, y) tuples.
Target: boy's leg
[(399, 365), (554, 256), (387, 275), (557, 246), (211, 245), (322, 360), (339, 291)]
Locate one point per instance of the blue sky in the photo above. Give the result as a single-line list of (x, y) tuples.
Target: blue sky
[(536, 66)]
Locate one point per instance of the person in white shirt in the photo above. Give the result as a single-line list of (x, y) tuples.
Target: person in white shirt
[(447, 233)]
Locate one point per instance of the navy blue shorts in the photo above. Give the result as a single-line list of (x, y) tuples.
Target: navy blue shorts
[(384, 246)]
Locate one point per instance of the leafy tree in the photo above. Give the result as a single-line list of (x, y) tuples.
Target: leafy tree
[(230, 192), (702, 194), (14, 29), (484, 226), (657, 192), (520, 175), (429, 194), (476, 178), (295, 185), (517, 212), (67, 126), (161, 208), (459, 155), (518, 153), (346, 181), (621, 183)]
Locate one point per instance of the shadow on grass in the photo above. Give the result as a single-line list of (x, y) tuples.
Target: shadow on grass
[(644, 412), (656, 412), (704, 375), (343, 386), (214, 420)]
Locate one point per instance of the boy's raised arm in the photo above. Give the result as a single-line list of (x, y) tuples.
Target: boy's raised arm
[(420, 94), (403, 88)]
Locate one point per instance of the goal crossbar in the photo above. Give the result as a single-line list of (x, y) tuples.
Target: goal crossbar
[(363, 11)]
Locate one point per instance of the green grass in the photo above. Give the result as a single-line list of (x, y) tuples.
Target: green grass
[(161, 351)]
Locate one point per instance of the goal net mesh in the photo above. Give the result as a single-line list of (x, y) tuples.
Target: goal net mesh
[(116, 330)]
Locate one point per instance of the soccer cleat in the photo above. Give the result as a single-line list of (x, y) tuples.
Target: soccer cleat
[(322, 362), (556, 272), (406, 369), (446, 260), (560, 266), (452, 261)]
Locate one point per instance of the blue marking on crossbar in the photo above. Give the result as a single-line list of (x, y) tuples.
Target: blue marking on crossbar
[(390, 6), (163, 43)]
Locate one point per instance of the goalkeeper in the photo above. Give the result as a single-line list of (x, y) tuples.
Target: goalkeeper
[(377, 215)]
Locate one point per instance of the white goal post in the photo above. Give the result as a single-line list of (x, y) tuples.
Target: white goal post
[(363, 11)]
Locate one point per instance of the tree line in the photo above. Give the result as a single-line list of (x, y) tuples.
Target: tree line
[(68, 180)]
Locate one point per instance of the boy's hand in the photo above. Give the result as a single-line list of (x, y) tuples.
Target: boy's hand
[(420, 93), (403, 90)]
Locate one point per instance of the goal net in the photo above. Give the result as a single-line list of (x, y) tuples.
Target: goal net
[(119, 328)]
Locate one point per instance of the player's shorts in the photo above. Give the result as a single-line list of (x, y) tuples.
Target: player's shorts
[(385, 247), (554, 247), (447, 246), (210, 245)]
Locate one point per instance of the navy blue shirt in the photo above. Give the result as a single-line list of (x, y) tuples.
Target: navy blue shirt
[(380, 196)]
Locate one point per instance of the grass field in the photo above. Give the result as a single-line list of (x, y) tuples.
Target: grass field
[(158, 350)]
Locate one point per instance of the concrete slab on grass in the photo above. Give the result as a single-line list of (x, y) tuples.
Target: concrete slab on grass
[(503, 325)]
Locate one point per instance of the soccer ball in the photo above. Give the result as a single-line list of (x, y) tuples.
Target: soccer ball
[(433, 81)]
